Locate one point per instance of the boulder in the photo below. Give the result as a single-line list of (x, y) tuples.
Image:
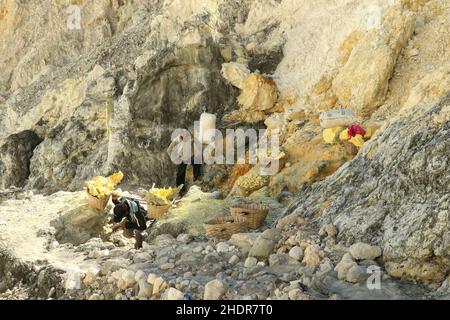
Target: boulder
[(215, 290), (174, 294), (364, 251), (244, 241), (357, 274), (79, 224), (296, 253), (259, 93), (311, 256), (15, 156), (262, 248), (250, 262)]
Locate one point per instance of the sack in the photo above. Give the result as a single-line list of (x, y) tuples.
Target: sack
[(331, 135), (337, 118), (207, 128), (357, 140)]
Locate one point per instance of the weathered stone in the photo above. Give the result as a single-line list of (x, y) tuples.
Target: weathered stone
[(311, 256), (278, 259), (262, 248), (250, 262), (15, 155), (222, 247), (145, 289), (234, 260), (356, 274), (235, 73), (364, 251), (296, 253), (174, 294), (215, 290)]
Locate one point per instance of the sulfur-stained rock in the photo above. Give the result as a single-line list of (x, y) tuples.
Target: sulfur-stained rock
[(311, 256), (258, 94), (362, 83)]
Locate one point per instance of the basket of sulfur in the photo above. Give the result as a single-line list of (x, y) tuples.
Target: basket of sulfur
[(159, 201), (100, 188)]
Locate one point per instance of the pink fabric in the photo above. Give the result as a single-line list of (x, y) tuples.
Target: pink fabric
[(354, 129)]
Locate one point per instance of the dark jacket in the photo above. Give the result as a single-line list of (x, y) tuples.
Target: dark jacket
[(136, 217)]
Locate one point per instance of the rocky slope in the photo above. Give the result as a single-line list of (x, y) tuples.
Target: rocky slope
[(77, 102)]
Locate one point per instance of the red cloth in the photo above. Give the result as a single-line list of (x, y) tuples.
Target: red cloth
[(354, 129)]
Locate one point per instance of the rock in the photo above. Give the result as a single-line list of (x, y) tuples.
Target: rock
[(265, 243), (151, 278), (52, 292), (244, 241), (94, 296), (197, 249), (145, 290), (79, 224), (139, 276), (250, 262), (128, 279), (311, 256), (278, 259), (356, 274), (90, 276), (235, 73), (262, 248), (140, 257), (344, 265), (362, 83), (234, 260), (167, 266), (297, 294), (15, 156), (330, 230), (326, 266), (215, 290), (259, 95), (159, 285), (185, 238), (272, 234), (296, 253), (287, 220), (364, 251), (174, 294), (222, 247), (404, 224)]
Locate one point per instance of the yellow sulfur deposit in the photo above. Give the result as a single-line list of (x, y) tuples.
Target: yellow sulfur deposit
[(330, 135), (161, 196), (344, 135), (368, 134), (101, 186), (251, 182), (357, 140)]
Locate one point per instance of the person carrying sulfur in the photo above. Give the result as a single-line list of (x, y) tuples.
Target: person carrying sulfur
[(182, 152), (130, 217)]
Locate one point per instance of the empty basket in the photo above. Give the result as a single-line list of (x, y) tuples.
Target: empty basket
[(225, 227), (255, 214)]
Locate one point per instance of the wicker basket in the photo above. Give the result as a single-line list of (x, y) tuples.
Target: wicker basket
[(255, 214), (225, 227), (97, 203), (157, 212)]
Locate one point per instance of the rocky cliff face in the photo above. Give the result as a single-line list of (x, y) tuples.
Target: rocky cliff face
[(78, 100)]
